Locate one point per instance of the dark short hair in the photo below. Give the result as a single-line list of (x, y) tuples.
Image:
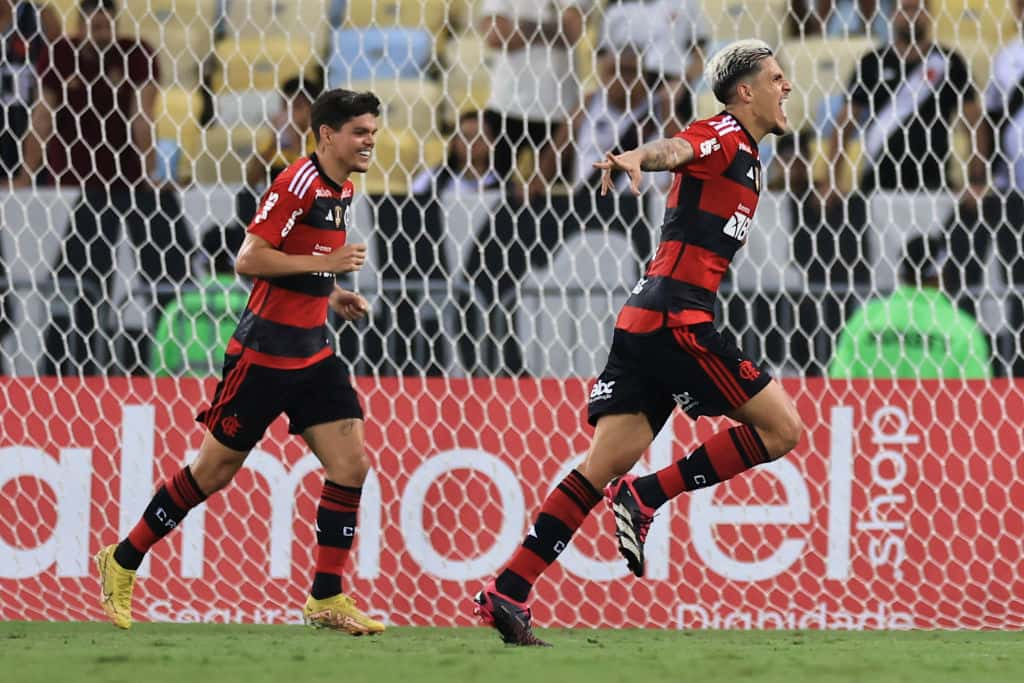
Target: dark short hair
[(335, 107), (302, 86), (90, 6)]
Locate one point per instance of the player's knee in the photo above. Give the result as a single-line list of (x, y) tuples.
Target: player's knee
[(350, 469)]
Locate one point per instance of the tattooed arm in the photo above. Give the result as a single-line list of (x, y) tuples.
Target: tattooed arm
[(660, 155)]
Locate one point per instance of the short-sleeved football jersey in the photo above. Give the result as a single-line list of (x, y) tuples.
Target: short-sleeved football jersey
[(284, 324), (710, 207)]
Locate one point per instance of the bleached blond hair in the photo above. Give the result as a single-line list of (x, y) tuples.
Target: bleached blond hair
[(733, 63)]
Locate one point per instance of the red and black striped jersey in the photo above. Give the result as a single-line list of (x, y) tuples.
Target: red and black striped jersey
[(707, 217), (284, 324)]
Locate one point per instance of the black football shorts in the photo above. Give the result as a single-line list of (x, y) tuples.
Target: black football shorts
[(692, 367), (249, 397)]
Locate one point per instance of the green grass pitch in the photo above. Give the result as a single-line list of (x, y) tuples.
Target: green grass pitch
[(217, 653)]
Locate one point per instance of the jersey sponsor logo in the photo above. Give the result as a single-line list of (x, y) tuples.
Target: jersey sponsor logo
[(749, 371), (708, 146), (346, 192), (738, 226), (268, 204), (291, 222), (602, 390), (322, 248), (322, 192)]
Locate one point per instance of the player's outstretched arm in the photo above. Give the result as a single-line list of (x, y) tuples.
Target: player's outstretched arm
[(660, 155), (260, 258)]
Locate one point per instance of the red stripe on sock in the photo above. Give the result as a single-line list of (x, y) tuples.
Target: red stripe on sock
[(184, 490), (176, 496), (337, 507), (723, 456), (671, 481), (527, 564), (142, 537), (330, 560), (563, 508)]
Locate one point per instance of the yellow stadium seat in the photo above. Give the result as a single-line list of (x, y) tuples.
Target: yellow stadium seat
[(181, 32), (177, 119), (818, 68), (431, 15), (407, 104), (261, 63), (279, 18), (67, 10), (397, 157), (467, 80), (989, 21), (221, 154)]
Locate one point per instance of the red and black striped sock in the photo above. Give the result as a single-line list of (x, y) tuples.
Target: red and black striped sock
[(335, 530), (172, 501), (721, 457), (560, 516)]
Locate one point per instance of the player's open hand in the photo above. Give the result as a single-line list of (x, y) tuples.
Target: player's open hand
[(348, 259), (628, 162), (348, 305)]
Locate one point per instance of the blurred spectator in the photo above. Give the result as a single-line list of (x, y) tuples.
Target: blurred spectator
[(905, 97), (25, 32), (526, 233), (672, 37), (194, 331), (534, 90), (94, 125), (993, 212), (411, 241), (915, 332), (288, 136), (837, 17)]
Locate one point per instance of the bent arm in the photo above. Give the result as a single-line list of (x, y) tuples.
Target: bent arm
[(664, 155), (259, 258)]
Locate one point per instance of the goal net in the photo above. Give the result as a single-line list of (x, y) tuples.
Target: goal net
[(495, 274)]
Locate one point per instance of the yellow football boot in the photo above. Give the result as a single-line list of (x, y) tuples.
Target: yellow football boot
[(339, 613), (116, 584)]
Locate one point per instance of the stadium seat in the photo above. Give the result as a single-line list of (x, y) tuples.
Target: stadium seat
[(818, 68), (67, 10), (988, 21), (277, 18), (221, 154), (406, 104), (261, 63), (466, 78), (391, 52), (399, 154), (177, 128), (181, 31), (431, 15)]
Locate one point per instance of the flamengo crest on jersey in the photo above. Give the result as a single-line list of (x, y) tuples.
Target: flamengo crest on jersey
[(707, 218)]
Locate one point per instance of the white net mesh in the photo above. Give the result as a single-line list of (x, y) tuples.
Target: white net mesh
[(495, 275)]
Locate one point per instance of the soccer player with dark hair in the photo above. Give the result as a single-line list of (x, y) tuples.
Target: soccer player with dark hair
[(280, 359), (665, 349)]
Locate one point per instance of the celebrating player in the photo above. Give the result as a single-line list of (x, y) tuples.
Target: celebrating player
[(665, 349), (280, 360)]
